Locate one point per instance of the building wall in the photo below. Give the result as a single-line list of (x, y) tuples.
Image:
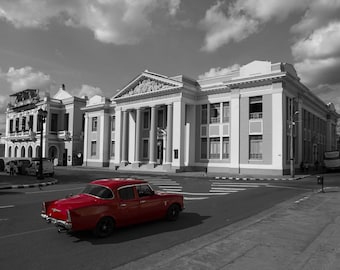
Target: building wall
[(274, 86)]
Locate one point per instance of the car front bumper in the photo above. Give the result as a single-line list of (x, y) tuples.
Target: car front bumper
[(59, 223)]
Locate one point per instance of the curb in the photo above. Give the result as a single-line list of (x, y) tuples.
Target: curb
[(259, 179), (44, 184)]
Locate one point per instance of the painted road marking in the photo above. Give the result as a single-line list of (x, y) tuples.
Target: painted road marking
[(6, 206)]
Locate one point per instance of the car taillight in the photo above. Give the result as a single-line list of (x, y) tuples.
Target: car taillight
[(43, 208), (68, 216)]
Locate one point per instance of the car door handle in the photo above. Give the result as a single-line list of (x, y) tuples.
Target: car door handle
[(123, 204), (143, 201)]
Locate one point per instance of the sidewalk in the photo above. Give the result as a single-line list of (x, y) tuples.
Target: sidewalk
[(23, 181), (300, 234)]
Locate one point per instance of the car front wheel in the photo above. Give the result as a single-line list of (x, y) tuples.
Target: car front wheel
[(173, 212), (104, 227)]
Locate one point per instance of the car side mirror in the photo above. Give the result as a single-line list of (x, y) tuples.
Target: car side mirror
[(69, 195)]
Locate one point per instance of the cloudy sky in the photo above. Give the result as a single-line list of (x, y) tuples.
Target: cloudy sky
[(98, 46)]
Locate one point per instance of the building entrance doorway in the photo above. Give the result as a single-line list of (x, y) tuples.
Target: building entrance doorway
[(159, 151), (65, 158)]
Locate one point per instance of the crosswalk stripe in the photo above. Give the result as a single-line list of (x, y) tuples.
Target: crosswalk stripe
[(195, 198), (225, 188)]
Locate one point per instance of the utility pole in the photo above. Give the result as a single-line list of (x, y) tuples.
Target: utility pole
[(291, 135)]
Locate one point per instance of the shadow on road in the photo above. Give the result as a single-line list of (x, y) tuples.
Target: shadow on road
[(120, 235)]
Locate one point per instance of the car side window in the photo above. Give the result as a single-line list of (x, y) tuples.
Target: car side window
[(144, 190), (126, 193)]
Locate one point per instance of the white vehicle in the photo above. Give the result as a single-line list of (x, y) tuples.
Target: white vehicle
[(332, 160), (33, 168)]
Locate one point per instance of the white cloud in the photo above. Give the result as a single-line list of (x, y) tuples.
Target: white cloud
[(174, 7), (234, 22), (26, 77), (87, 90), (316, 49), (318, 14), (218, 71), (322, 43), (3, 103), (111, 21), (265, 10)]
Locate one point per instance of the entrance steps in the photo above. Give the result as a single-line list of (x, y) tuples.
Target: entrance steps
[(146, 168)]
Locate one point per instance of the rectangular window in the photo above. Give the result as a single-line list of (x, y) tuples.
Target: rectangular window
[(255, 147), (215, 112), (112, 148), (17, 124), (93, 148), (225, 147), (11, 125), (30, 123), (23, 124), (54, 122), (145, 148), (214, 148), (94, 123), (113, 123), (226, 112), (66, 120), (255, 107), (204, 114), (146, 119), (204, 148)]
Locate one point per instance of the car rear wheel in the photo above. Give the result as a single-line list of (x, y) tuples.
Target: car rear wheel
[(173, 212), (104, 227)]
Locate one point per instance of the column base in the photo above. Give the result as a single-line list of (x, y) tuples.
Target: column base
[(167, 166), (136, 165), (151, 165), (124, 163)]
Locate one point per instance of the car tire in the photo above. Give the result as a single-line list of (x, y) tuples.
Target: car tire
[(173, 212), (104, 227)]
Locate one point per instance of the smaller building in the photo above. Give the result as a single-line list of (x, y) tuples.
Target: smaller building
[(62, 129)]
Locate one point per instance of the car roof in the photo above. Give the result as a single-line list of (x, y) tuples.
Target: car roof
[(115, 183)]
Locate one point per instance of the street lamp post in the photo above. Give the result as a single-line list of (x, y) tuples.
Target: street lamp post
[(41, 118), (291, 135)]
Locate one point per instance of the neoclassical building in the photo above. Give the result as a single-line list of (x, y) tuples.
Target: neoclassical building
[(63, 138), (257, 119)]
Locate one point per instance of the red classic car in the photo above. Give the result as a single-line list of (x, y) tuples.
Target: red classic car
[(108, 203)]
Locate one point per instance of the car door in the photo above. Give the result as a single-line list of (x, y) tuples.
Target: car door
[(151, 205), (128, 206)]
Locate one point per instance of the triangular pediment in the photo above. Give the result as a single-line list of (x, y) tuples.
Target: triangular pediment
[(62, 94), (148, 83)]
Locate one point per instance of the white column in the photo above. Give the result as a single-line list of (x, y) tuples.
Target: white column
[(125, 138), (138, 135), (153, 136), (86, 131), (168, 156), (235, 130)]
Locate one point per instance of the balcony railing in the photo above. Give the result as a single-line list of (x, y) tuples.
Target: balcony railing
[(255, 115), (22, 136), (64, 135)]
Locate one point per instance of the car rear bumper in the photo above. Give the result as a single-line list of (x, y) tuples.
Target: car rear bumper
[(59, 223)]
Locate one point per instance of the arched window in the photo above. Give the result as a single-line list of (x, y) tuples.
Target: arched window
[(30, 151), (10, 151), (23, 152), (16, 151), (37, 151)]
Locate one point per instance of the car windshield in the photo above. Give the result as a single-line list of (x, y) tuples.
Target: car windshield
[(98, 191)]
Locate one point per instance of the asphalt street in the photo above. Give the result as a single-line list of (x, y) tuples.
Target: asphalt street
[(211, 205)]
